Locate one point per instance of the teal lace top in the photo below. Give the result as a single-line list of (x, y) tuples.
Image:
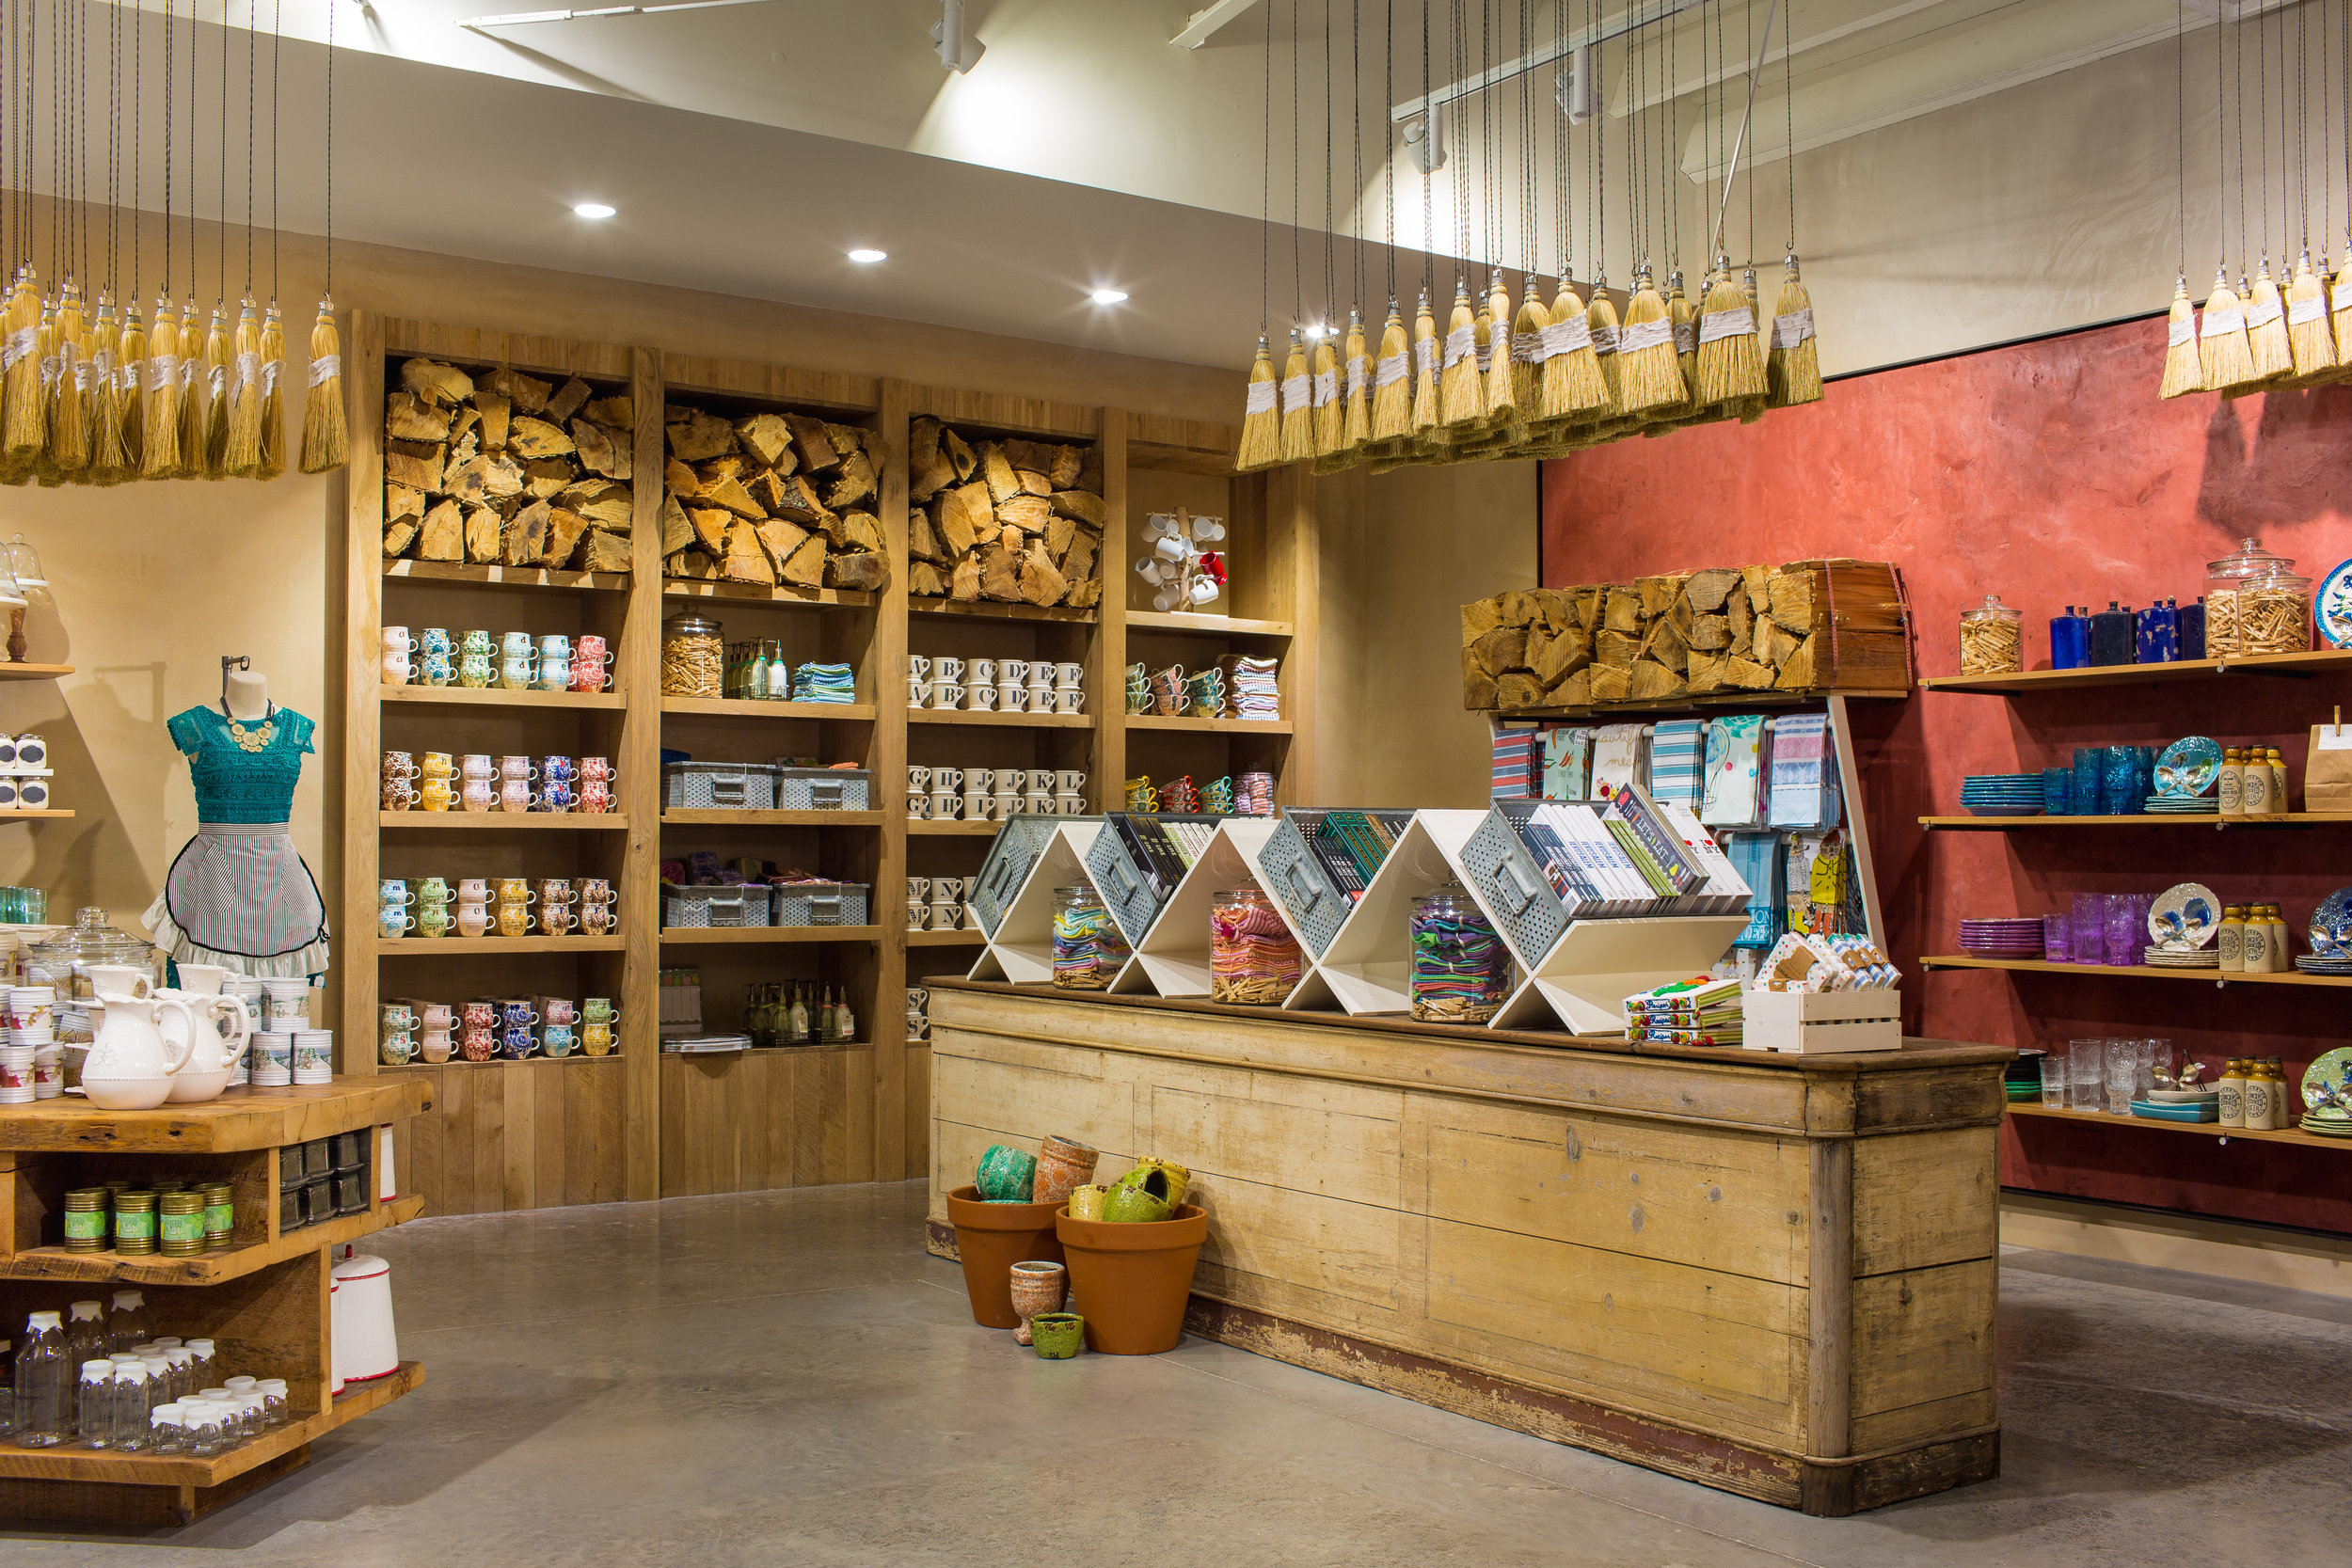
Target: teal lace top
[(243, 781)]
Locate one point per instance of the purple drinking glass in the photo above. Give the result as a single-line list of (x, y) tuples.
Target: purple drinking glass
[(2089, 942), (2056, 946)]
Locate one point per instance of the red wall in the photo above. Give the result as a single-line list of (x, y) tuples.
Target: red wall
[(2048, 473)]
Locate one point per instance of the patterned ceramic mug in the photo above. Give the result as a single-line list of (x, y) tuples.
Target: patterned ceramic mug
[(517, 674), (478, 1015), (398, 795), (478, 1045), (556, 795), (556, 1040), (515, 795), (516, 1010), (595, 919), (596, 797), (590, 664), (479, 795), (596, 1038), (435, 640), (513, 920), (473, 920), (478, 642), (437, 794), (595, 769), (515, 1043), (474, 670), (513, 890), (437, 669), (436, 764)]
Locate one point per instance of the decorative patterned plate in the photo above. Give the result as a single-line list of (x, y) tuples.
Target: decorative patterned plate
[(2326, 1077), (2331, 925), (2188, 767), (2332, 609), (2185, 914)]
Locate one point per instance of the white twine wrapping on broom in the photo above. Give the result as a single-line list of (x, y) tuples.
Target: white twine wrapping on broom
[(2300, 311), (1568, 335), (2220, 323), (163, 370), (1637, 336), (1725, 324), (1793, 328), (1260, 401), (2180, 332), (327, 365), (1389, 371), (1527, 348), (23, 340), (1326, 387), (1425, 354), (1294, 391), (2262, 312), (1360, 372), (1460, 344), (1604, 338), (1686, 338)]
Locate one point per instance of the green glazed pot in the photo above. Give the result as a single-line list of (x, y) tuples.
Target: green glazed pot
[(1160, 1179), (1006, 1175), (1057, 1335), (1134, 1206)]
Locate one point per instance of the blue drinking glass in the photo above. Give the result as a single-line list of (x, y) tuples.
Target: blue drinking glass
[(2058, 790), (2090, 765)]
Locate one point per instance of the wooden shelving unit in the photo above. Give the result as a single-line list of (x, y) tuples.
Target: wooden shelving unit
[(515, 1134), (2143, 971), (2294, 666), (2150, 819), (34, 671), (2199, 1129)]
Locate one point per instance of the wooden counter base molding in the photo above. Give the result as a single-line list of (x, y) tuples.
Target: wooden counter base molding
[(1774, 1276)]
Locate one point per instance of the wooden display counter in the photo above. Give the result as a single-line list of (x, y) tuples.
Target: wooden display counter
[(263, 1301), (1773, 1275)]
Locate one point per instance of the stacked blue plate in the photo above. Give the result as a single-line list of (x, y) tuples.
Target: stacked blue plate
[(2002, 794)]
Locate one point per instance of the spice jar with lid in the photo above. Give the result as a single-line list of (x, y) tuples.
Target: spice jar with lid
[(1989, 641), (2255, 603), (694, 656)]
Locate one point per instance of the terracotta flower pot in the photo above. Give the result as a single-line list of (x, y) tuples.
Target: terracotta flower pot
[(1063, 1166), (1132, 1281), (991, 1238)]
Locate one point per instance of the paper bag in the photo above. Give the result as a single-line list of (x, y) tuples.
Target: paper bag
[(2327, 769)]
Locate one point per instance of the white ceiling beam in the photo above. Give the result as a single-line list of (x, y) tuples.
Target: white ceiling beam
[(1639, 100), (1206, 21), (1643, 13)]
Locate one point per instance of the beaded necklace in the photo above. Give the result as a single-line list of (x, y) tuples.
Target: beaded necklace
[(254, 740)]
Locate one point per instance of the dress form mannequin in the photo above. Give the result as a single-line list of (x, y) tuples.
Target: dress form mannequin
[(245, 696)]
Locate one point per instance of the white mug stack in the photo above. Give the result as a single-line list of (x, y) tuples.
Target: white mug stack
[(24, 773), (995, 684), (947, 895), (993, 793)]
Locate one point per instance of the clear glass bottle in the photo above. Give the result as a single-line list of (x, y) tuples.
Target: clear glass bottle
[(1253, 958), (797, 1023), (94, 1405), (201, 1373), (200, 1420), (86, 1330), (1088, 951), (1991, 642), (134, 1399), (845, 1022), (42, 1396), (274, 1412), (181, 1361), (128, 1324), (164, 1432), (1461, 971)]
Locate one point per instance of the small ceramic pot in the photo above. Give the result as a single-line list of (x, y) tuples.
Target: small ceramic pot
[(1063, 1164), (1086, 1203), (1038, 1288), (1006, 1174), (1057, 1335), (1159, 1179)]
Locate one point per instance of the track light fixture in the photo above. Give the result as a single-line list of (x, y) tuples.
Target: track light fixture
[(958, 50)]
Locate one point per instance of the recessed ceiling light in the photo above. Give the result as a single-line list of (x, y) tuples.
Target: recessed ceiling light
[(1107, 297), (868, 257), (593, 210)]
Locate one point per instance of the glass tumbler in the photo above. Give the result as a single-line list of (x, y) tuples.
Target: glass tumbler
[(2155, 1056), (2056, 941), (2057, 791), (2082, 1075), (2054, 1079), (2121, 1063), (2127, 930), (2089, 765)]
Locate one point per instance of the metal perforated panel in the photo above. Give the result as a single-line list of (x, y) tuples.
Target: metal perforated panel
[(1126, 889), (1296, 879), (1017, 846), (1528, 916)]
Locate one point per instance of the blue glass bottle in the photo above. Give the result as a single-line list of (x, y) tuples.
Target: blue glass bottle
[(2114, 637), (2192, 632), (2070, 641), (2158, 632)]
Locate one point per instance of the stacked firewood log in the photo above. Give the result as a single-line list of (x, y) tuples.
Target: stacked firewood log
[(502, 468), (771, 498), (1020, 522), (1804, 627)]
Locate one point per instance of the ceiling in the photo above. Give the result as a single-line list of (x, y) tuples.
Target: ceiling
[(747, 148)]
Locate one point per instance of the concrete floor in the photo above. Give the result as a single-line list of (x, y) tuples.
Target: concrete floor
[(787, 1378)]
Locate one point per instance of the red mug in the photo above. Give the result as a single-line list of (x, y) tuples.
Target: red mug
[(478, 1045), (596, 797), (478, 1015), (589, 663)]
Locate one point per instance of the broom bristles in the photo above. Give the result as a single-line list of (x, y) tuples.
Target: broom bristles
[(218, 396), (1575, 391), (1425, 412), (46, 470), (1793, 369), (242, 457), (1299, 415), (326, 439), (1504, 374), (1527, 355), (130, 389), (2224, 357), (159, 455), (1392, 383), (2182, 373), (2309, 342), (69, 411), (1356, 408), (24, 421), (196, 404), (1330, 415), (1729, 366), (1261, 418), (1647, 373), (1461, 400), (2267, 329), (273, 461), (108, 463), (2339, 293), (1600, 319)]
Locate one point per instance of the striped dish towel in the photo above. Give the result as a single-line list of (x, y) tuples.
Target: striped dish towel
[(1804, 777), (1673, 762), (1516, 755)]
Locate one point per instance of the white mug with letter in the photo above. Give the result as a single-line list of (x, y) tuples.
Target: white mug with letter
[(1069, 674), (982, 670)]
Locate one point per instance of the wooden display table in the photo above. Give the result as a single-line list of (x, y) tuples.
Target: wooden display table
[(263, 1301), (1773, 1275)]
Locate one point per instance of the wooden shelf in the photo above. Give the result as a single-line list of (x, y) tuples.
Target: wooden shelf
[(451, 574), (575, 1055), (494, 696), (45, 811), (56, 1262), (2145, 972), (2205, 1129), (724, 708), (984, 609), (2304, 664), (1731, 701), (241, 1119), (1001, 721), (64, 1463), (947, 939), (34, 671), (504, 821), (2142, 819), (1214, 726), (1204, 625), (426, 947), (755, 595), (761, 936), (684, 816), (927, 829)]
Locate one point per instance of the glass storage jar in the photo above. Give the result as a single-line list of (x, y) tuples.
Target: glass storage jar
[(1461, 971), (1989, 639), (1088, 951), (1253, 958), (43, 1394), (63, 962), (2255, 603), (694, 656)]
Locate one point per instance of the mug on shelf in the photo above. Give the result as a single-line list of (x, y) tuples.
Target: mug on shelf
[(436, 794), (596, 797), (518, 674), (517, 645), (517, 767), (437, 669), (947, 672), (982, 671), (435, 765), (478, 1045), (515, 795), (918, 669), (515, 1043), (944, 806), (398, 669), (555, 675), (434, 1046), (474, 919), (596, 918), (1012, 672), (1011, 698), (916, 913), (982, 699), (978, 808), (947, 780), (918, 890), (919, 806), (918, 692), (592, 663), (596, 769), (979, 780), (596, 1040), (513, 890), (556, 795), (473, 889), (479, 795), (435, 640), (1070, 781), (918, 779), (477, 764), (1069, 699), (1066, 675), (475, 670), (946, 697), (556, 1040)]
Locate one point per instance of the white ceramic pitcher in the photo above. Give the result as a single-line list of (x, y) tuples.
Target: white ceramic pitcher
[(218, 1049), (130, 1065)]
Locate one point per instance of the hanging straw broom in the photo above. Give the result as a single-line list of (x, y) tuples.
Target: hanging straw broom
[(2226, 357), (1356, 413), (242, 457), (1505, 375), (108, 463), (1793, 369), (1575, 391), (1527, 354), (130, 388), (1392, 384), (46, 470), (2309, 342), (1730, 366), (23, 419), (1648, 376), (1261, 418), (2340, 309), (68, 412), (1299, 415), (1330, 419), (219, 396), (1600, 318), (273, 461), (1685, 322), (2182, 373), (326, 440), (159, 437), (196, 402), (2267, 327), (1425, 410), (1461, 401)]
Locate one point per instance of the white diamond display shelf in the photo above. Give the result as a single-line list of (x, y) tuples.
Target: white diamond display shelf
[(1172, 959), (1365, 971), (1582, 984), (1022, 949)]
